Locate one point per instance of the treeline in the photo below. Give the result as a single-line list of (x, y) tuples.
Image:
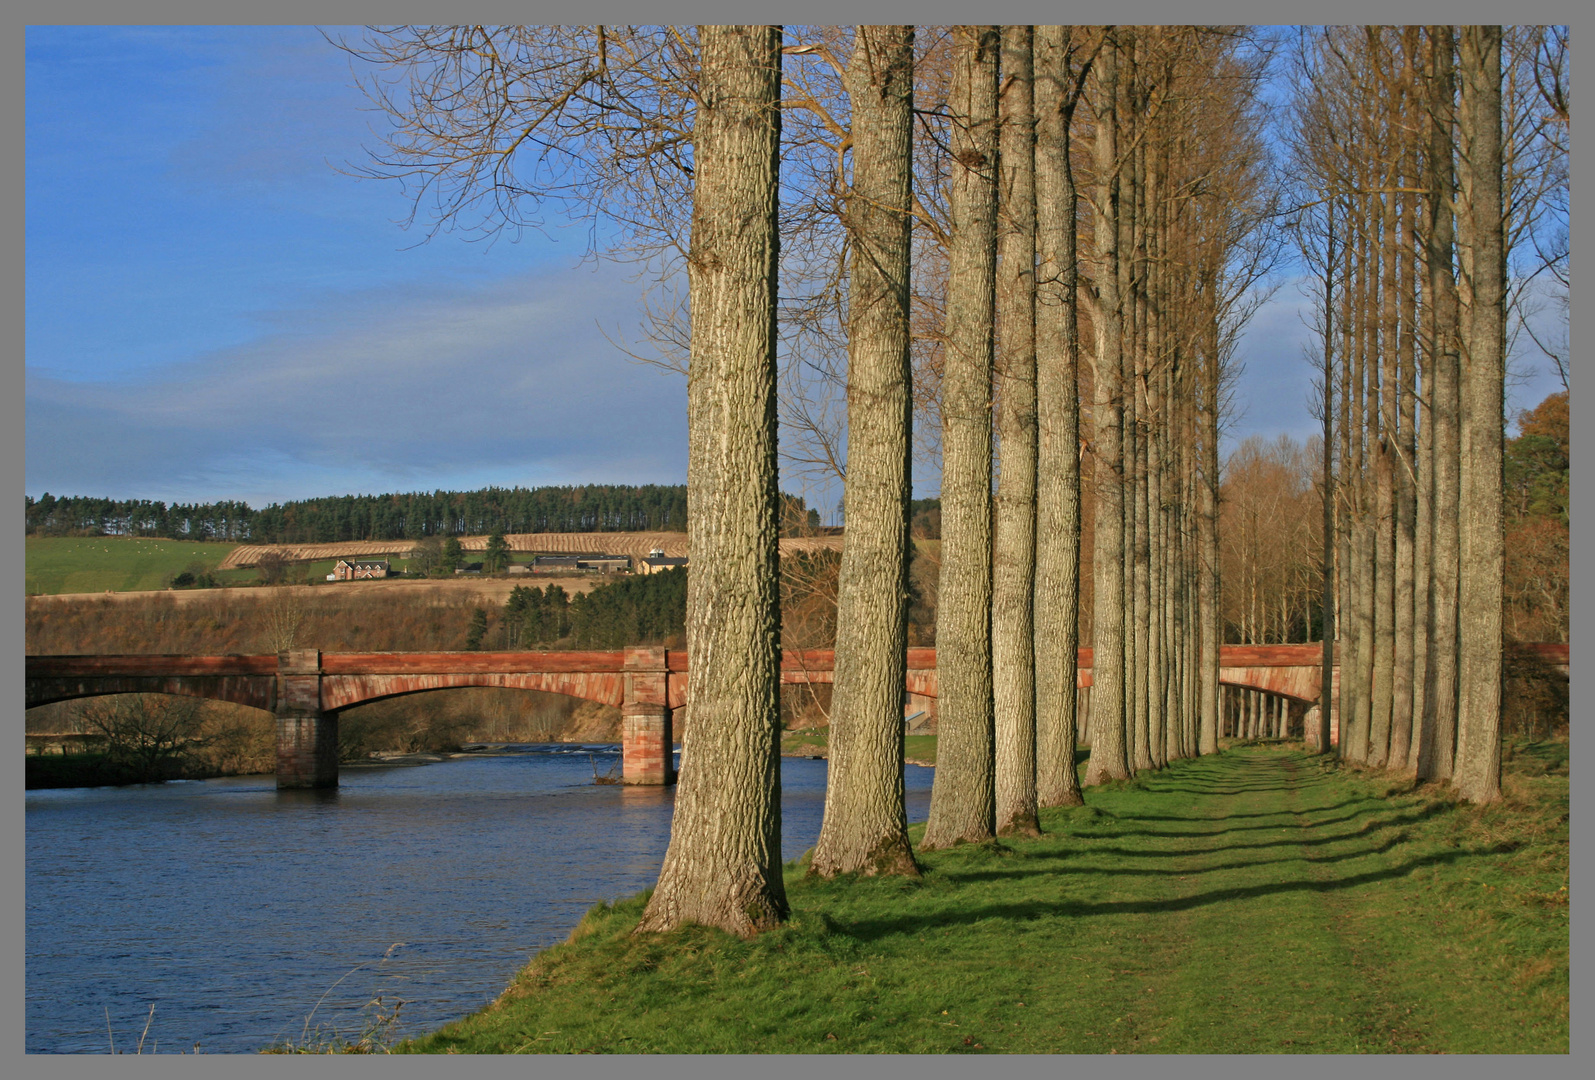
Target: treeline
[(646, 610), (408, 516)]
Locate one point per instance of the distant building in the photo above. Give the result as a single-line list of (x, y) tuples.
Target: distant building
[(578, 563), (657, 560), (516, 568), (359, 569)]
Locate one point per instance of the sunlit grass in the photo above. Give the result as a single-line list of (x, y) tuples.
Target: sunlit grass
[(1260, 900)]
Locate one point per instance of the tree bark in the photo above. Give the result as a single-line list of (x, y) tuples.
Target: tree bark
[(865, 829), (1207, 567), (1481, 557), (1327, 492), (1057, 595), (1405, 480), (1437, 731), (1014, 547), (1108, 690), (962, 804), (723, 865), (1383, 436)]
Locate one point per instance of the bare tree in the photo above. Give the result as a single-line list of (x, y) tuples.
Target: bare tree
[(1062, 63), (1014, 546), (865, 828), (962, 797), (1108, 690), (723, 865), (1482, 393)]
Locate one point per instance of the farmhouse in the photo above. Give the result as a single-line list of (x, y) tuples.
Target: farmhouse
[(657, 560), (358, 569)]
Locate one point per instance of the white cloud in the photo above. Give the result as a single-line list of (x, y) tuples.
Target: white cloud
[(379, 391)]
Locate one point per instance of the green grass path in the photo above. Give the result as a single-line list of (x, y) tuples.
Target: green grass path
[(1259, 900)]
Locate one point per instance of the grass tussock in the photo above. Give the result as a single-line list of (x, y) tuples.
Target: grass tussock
[(1261, 900)]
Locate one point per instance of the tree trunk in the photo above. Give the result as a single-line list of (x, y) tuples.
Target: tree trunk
[(962, 804), (1057, 596), (1481, 556), (1207, 564), (865, 829), (1405, 480), (1437, 732), (723, 865), (1013, 657), (1327, 492), (1383, 436), (1140, 599), (1108, 696)]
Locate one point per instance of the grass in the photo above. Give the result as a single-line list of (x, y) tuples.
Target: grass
[(916, 748), (1260, 901), (71, 564)]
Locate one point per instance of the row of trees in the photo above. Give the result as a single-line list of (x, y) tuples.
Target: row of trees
[(1426, 155), (998, 222), (645, 610), (409, 516)]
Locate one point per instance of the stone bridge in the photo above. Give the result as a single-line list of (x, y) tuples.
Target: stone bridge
[(306, 689)]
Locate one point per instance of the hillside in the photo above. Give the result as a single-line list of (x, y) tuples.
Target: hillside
[(98, 564)]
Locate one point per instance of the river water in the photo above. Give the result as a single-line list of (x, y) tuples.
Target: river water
[(247, 916)]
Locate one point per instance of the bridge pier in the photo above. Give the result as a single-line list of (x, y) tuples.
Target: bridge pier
[(307, 751), (647, 738), (307, 738)]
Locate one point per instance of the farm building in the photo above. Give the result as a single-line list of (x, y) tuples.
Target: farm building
[(359, 569), (577, 563), (657, 560)]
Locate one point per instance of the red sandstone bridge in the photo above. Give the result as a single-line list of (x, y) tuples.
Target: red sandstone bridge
[(306, 689)]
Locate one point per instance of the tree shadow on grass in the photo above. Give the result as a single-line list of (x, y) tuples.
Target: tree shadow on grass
[(1260, 814), (875, 929), (1074, 868), (1294, 815), (1369, 825)]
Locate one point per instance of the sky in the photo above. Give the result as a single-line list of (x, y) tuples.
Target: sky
[(217, 309)]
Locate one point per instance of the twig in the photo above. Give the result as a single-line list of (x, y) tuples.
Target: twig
[(147, 1021)]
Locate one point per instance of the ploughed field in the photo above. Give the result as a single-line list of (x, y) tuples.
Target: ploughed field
[(1260, 900)]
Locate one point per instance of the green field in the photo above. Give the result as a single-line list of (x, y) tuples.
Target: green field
[(72, 564), (1260, 900)]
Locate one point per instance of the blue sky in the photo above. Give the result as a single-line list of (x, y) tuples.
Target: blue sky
[(214, 310)]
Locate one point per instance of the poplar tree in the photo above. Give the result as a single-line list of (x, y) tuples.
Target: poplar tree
[(723, 865), (865, 828), (1014, 545), (962, 806), (1481, 554), (1062, 62)]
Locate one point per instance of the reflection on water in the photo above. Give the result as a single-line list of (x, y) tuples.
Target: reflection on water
[(233, 907)]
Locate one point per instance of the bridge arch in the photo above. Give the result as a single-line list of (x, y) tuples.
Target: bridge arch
[(340, 692)]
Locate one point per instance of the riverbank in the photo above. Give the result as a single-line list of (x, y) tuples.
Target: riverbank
[(69, 770), (1261, 900)]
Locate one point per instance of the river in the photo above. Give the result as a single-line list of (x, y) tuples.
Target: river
[(247, 916)]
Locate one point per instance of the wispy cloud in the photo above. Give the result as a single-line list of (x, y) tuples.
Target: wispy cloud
[(511, 380)]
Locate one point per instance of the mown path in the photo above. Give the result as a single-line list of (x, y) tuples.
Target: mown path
[(1257, 901)]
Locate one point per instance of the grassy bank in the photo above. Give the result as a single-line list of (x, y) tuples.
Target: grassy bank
[(919, 749), (1259, 900)]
